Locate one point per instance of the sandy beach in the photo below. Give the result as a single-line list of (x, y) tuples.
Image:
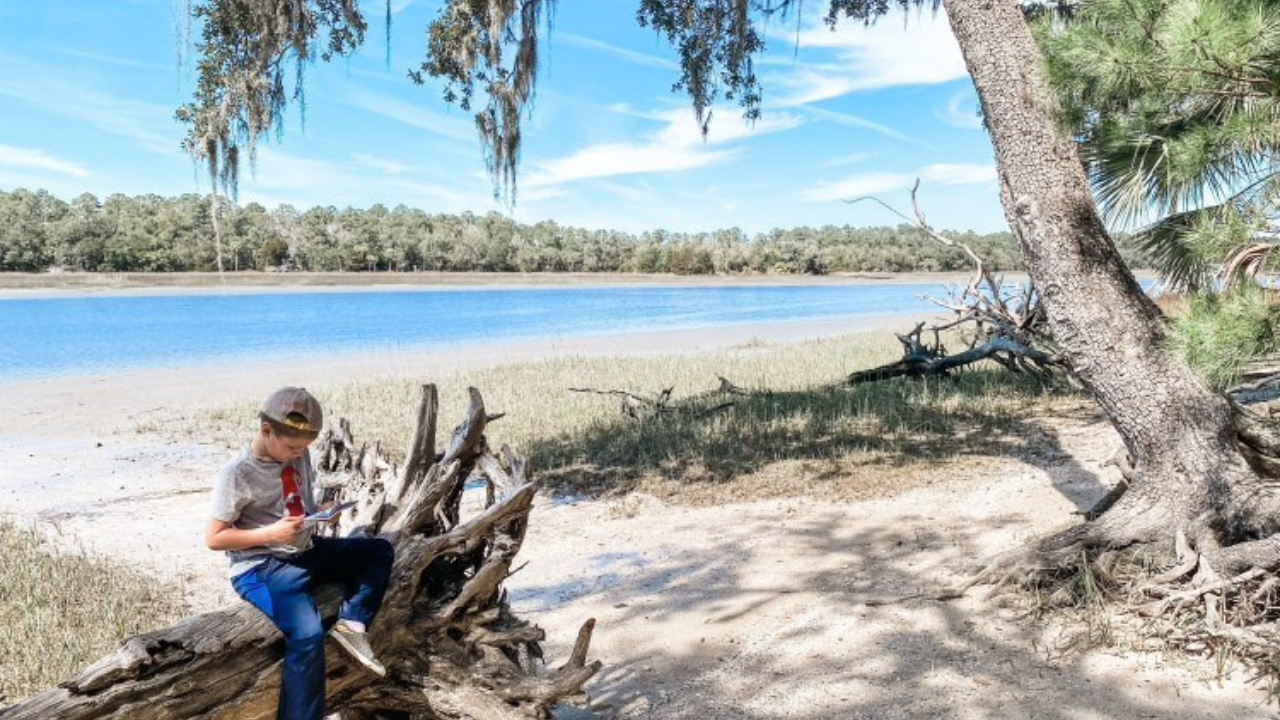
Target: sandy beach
[(779, 608)]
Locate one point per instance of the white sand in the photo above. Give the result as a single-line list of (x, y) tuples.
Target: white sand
[(748, 611)]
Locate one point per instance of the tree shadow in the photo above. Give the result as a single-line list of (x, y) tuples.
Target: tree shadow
[(816, 615), (825, 437)]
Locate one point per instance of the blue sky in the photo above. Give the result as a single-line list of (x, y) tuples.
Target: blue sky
[(88, 89)]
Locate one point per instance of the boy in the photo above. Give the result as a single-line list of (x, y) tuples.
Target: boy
[(259, 500)]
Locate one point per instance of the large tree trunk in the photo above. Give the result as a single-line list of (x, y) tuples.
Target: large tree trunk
[(1181, 436), (452, 647)]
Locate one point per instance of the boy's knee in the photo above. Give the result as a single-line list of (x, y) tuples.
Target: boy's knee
[(380, 552), (306, 638)]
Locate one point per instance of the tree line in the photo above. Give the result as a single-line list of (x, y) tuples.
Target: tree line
[(149, 233)]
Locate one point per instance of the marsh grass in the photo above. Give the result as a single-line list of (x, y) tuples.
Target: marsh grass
[(799, 432), (59, 611)]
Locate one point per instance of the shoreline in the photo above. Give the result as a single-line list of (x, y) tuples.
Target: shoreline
[(45, 285), (116, 402)]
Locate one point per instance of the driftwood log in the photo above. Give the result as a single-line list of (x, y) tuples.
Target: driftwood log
[(451, 644), (921, 358)]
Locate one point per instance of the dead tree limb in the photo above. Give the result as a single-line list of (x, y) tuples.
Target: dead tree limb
[(704, 403), (921, 360), (452, 645), (995, 320)]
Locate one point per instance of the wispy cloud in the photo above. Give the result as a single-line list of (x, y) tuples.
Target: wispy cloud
[(631, 56), (114, 60), (678, 145), (412, 115), (391, 167), (873, 183), (147, 124), (961, 111), (631, 192), (39, 159), (609, 159), (855, 58), (861, 122), (849, 159), (282, 177)]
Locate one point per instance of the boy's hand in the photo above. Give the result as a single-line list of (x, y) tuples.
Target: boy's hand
[(283, 530)]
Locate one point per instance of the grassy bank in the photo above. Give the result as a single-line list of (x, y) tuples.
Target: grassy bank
[(800, 432), (59, 611)]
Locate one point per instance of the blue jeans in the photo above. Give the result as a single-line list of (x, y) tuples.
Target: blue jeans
[(282, 589)]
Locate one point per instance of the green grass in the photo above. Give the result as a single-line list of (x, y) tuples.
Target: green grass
[(800, 432), (61, 611)]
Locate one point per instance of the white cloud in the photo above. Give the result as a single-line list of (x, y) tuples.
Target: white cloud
[(678, 145), (861, 122), (958, 173), (609, 159), (887, 54), (305, 182), (39, 159), (961, 111), (451, 127), (874, 183), (631, 193), (631, 56), (682, 129), (148, 124), (99, 58), (391, 167), (850, 159), (538, 194)]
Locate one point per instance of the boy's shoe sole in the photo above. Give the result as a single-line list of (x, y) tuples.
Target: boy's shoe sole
[(358, 648)]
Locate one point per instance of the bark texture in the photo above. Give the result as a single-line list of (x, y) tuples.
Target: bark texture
[(452, 646), (1181, 436)]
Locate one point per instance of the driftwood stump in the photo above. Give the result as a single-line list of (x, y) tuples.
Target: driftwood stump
[(451, 644)]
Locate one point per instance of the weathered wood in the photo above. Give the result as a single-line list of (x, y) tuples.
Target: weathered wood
[(920, 360), (422, 448), (664, 403), (451, 644)]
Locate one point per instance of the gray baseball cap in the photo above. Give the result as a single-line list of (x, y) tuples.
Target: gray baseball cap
[(294, 407)]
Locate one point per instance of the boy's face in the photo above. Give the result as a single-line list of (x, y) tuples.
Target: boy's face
[(281, 448)]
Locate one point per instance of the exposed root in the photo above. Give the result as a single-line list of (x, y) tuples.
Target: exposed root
[(1219, 603)]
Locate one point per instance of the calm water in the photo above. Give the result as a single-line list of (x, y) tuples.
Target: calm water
[(64, 336)]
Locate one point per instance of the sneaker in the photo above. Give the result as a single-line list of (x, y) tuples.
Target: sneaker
[(356, 644)]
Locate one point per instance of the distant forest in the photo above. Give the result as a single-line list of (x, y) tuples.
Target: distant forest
[(149, 233)]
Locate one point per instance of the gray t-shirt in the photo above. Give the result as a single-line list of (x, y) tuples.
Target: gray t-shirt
[(249, 493)]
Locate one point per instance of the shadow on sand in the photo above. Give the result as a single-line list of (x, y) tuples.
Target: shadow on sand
[(809, 616)]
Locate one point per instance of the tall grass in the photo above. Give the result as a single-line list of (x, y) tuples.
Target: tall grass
[(60, 611), (801, 431)]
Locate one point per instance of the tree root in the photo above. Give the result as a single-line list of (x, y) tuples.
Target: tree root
[(1211, 601)]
